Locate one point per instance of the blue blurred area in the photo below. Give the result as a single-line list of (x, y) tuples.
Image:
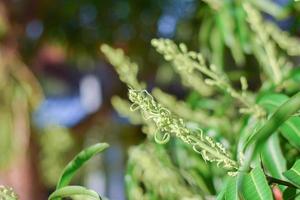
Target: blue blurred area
[(67, 111), (286, 23), (172, 12)]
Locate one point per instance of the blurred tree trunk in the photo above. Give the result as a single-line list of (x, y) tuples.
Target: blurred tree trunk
[(18, 94)]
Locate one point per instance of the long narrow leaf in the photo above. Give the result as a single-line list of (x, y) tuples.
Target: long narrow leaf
[(272, 157), (293, 174), (221, 195), (255, 186), (78, 161), (283, 113), (289, 129), (232, 189), (70, 191), (272, 101)]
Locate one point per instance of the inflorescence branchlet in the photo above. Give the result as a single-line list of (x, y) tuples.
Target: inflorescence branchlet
[(190, 62), (153, 167), (7, 193), (265, 48), (126, 69), (168, 124), (284, 40), (184, 65)]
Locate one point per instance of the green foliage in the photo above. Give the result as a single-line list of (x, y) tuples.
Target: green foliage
[(255, 186), (267, 113), (290, 129), (239, 131), (231, 192), (62, 188), (272, 157), (150, 164), (191, 62), (293, 174), (71, 191), (77, 163)]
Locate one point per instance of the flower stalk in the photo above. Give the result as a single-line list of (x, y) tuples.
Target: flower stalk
[(168, 124)]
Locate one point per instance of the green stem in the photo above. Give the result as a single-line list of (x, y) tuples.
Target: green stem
[(280, 182), (214, 152)]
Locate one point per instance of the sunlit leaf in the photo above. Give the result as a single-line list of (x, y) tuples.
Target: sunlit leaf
[(289, 129), (71, 191), (271, 101), (221, 195), (272, 157), (232, 189), (78, 161), (255, 186), (280, 115)]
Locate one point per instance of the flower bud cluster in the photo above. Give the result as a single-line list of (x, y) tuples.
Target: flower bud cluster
[(7, 193), (168, 124)]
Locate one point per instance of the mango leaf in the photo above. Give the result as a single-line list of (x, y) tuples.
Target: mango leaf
[(290, 129), (289, 193), (255, 186), (242, 27), (78, 161), (293, 174), (71, 191), (271, 101), (232, 189), (273, 158), (73, 166), (221, 195)]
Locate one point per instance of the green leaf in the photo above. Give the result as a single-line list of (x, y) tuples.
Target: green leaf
[(255, 186), (217, 46), (289, 129), (221, 195), (232, 189), (78, 161), (70, 191), (242, 28), (272, 101), (293, 174), (281, 115), (289, 193), (272, 157)]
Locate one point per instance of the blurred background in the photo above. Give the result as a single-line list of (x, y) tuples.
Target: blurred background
[(56, 86)]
